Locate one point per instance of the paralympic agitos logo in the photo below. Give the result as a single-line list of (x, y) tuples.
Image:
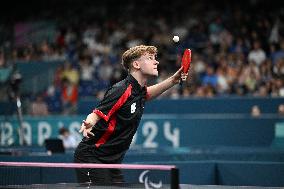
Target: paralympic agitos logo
[(143, 178)]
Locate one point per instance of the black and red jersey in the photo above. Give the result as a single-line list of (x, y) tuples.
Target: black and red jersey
[(120, 111)]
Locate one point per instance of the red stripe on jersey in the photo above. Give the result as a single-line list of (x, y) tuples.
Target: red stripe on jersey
[(101, 114), (109, 131), (116, 106)]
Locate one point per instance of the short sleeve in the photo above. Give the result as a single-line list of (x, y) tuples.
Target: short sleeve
[(112, 101)]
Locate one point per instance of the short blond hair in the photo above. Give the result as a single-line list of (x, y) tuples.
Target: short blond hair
[(136, 52)]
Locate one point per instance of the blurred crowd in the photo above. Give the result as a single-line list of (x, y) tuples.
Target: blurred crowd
[(237, 48)]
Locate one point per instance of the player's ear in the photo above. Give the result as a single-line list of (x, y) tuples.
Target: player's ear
[(136, 65)]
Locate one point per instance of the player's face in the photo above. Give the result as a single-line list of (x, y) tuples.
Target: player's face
[(148, 64)]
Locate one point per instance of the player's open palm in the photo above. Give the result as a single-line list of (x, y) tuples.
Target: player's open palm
[(86, 129)]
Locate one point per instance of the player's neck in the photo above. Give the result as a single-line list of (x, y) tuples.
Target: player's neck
[(142, 80)]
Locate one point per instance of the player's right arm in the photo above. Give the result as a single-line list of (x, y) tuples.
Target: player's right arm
[(114, 98), (87, 124), (156, 90)]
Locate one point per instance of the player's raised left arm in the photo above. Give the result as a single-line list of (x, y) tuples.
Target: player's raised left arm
[(155, 90)]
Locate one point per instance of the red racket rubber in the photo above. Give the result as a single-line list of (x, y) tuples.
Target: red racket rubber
[(186, 59)]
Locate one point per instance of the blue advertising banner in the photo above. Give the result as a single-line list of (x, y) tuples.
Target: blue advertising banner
[(37, 129), (163, 130)]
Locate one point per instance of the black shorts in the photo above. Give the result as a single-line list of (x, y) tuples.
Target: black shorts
[(95, 176)]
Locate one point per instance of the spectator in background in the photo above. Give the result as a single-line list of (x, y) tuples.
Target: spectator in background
[(281, 109), (277, 52), (278, 68), (210, 77), (255, 111), (105, 70), (2, 59), (174, 93), (39, 107), (239, 47), (69, 96), (69, 141), (70, 73), (257, 54), (86, 69), (279, 83), (222, 81)]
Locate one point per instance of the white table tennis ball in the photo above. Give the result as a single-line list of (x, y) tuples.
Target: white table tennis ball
[(176, 38)]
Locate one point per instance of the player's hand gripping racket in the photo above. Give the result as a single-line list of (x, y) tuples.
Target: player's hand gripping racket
[(185, 62)]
